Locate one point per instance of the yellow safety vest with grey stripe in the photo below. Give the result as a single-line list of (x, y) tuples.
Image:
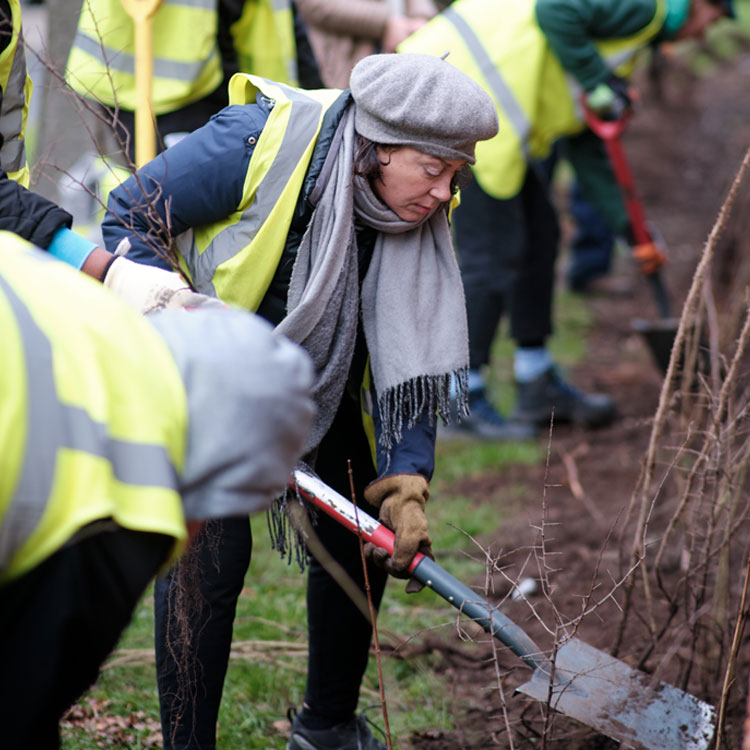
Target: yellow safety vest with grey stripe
[(93, 415), (16, 87), (264, 40), (235, 259), (187, 60), (501, 46)]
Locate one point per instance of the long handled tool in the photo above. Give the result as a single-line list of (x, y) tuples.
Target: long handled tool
[(610, 131), (142, 12), (583, 682), (659, 335)]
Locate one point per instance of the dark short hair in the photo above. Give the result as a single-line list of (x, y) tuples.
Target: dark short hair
[(367, 163)]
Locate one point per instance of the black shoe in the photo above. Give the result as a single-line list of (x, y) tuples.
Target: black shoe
[(538, 398), (486, 422), (352, 735)]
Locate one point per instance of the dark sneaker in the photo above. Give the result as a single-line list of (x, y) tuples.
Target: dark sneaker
[(484, 421), (353, 735), (538, 398)]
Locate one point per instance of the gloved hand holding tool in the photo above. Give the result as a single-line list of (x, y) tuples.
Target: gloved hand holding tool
[(612, 99), (401, 499), (584, 683)]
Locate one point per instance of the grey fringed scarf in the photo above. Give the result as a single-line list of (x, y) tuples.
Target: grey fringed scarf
[(412, 301)]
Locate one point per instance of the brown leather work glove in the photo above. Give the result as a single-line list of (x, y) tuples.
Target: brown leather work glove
[(401, 499)]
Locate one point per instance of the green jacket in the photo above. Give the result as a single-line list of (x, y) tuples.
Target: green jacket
[(570, 26)]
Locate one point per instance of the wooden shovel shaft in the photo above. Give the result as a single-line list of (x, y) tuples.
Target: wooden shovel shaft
[(142, 12)]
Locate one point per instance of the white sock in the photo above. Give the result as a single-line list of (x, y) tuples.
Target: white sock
[(530, 362)]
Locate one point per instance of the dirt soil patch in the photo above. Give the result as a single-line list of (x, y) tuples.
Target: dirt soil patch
[(685, 144)]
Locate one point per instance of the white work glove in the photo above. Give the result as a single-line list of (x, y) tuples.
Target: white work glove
[(147, 288)]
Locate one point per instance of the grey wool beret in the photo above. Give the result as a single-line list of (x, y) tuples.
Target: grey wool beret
[(421, 101)]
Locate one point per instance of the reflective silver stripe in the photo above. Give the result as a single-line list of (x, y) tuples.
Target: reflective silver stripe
[(615, 59), (124, 62), (497, 84), (13, 155), (53, 425), (302, 125), (292, 71), (202, 4)]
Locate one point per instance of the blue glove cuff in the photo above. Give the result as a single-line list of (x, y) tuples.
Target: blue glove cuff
[(70, 247)]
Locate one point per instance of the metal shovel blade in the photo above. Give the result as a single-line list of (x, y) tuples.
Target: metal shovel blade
[(607, 695)]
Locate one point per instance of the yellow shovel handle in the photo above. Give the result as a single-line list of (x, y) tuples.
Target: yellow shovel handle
[(142, 12)]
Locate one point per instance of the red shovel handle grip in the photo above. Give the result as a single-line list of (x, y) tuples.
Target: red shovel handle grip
[(607, 130)]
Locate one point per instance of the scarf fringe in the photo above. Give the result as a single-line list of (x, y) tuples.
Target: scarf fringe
[(286, 538), (407, 402)]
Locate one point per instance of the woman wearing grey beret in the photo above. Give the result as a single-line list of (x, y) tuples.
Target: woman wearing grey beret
[(327, 212)]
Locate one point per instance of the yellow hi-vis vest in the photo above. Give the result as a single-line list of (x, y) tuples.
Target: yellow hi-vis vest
[(501, 46), (16, 86), (187, 61), (93, 416), (235, 259), (264, 41)]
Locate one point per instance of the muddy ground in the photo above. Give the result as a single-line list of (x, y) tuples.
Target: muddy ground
[(685, 145)]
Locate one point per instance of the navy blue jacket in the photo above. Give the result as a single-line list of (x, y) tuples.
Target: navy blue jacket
[(200, 181)]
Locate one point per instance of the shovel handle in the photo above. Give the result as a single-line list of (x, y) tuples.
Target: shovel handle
[(422, 568), (491, 620), (610, 131), (142, 13), (625, 179), (660, 294)]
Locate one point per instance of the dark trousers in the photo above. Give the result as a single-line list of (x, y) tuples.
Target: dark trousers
[(339, 636), (507, 251), (593, 244), (60, 621)]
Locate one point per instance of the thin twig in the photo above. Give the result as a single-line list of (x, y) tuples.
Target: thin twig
[(373, 616), (729, 673)]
